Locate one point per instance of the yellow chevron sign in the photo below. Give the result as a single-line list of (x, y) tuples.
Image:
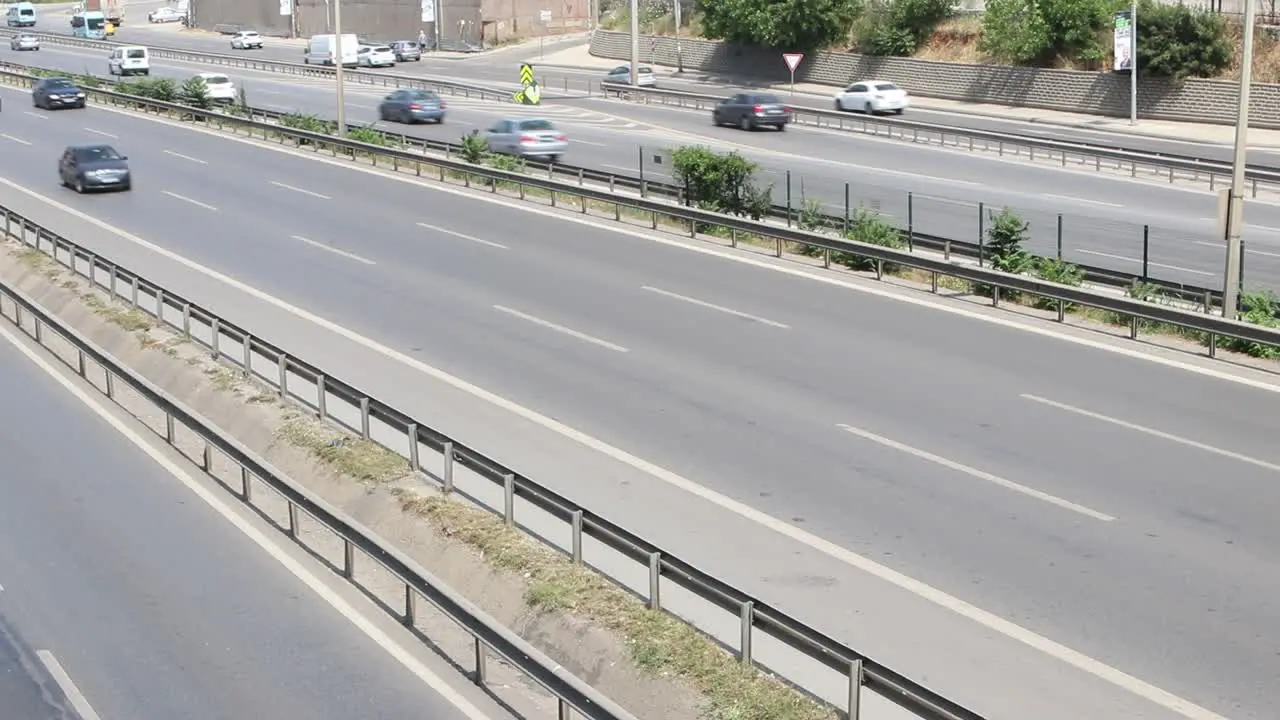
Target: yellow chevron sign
[(526, 74), (530, 95)]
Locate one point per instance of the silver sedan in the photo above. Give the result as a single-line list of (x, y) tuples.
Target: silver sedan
[(528, 138), (24, 41)]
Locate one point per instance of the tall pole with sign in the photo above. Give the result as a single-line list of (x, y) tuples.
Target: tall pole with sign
[(793, 62), (635, 43), (1235, 206), (337, 65), (679, 55), (1124, 49), (1133, 71)]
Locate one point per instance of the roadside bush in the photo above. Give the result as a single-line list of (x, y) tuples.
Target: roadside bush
[(866, 226), (308, 123), (783, 24), (372, 137), (473, 149), (1039, 32), (722, 183), (1057, 271), (1004, 251), (195, 93), (1179, 42), (1260, 308), (162, 89), (898, 28)]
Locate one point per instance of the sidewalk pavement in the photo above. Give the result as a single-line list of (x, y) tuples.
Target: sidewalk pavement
[(579, 57)]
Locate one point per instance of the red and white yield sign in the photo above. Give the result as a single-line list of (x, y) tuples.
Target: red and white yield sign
[(793, 62)]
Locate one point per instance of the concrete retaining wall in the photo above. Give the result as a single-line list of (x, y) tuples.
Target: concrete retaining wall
[(1210, 101)]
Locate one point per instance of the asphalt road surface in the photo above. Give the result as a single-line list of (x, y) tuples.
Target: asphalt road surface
[(875, 424), (1107, 221), (152, 606)]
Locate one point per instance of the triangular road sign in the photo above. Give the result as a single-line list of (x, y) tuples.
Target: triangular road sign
[(793, 60)]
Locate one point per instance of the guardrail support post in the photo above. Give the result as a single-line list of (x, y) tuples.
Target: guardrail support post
[(412, 432), (1133, 327), (1146, 250), (855, 689), (1059, 237), (110, 380), (206, 457), (80, 362), (446, 476), (111, 281), (246, 485), (322, 403), (348, 559), (364, 418), (846, 209), (410, 606), (655, 574), (1213, 345), (564, 712), (133, 291), (247, 341), (746, 615), (911, 221), (788, 200), (1062, 310), (186, 321), (39, 332), (826, 258), (778, 250), (293, 520), (509, 499), (159, 297), (575, 519), (982, 231), (215, 330), (933, 281), (282, 364), (168, 428), (482, 674)]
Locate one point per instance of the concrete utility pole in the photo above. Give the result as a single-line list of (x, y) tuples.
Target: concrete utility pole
[(1235, 205), (635, 43), (337, 50)]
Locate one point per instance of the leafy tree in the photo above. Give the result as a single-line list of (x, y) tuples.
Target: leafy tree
[(1013, 32), (473, 149), (1178, 42), (723, 183), (1040, 31), (786, 24), (1005, 237), (195, 93)]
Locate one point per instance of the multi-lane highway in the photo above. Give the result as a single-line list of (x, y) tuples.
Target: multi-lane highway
[(1116, 505), (125, 596), (933, 190)]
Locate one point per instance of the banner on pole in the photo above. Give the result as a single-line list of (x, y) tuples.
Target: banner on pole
[(428, 11), (1122, 38)]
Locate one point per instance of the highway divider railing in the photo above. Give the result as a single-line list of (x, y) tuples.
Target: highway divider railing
[(402, 434), (247, 61), (1068, 154), (489, 636), (1065, 153), (647, 188)]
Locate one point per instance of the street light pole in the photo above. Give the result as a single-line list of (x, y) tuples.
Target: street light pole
[(1235, 206), (635, 43), (337, 50)]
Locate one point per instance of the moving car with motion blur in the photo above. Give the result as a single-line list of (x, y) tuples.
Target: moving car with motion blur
[(621, 75), (57, 92), (219, 87), (375, 56), (246, 40), (527, 138), (873, 97), (24, 41), (165, 15), (749, 111), (406, 51), (411, 106), (94, 167)]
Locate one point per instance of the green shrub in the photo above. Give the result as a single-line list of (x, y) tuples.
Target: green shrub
[(1038, 32), (1060, 272), (721, 183), (866, 226), (474, 148), (308, 123), (783, 24), (1003, 250), (898, 28), (371, 137), (1260, 308), (195, 93), (1179, 42)]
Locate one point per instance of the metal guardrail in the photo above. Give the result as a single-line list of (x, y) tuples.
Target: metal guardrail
[(1216, 173), (1172, 167), (248, 62), (398, 432), (488, 635)]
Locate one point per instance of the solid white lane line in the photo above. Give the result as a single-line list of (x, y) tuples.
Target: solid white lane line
[(464, 236), (560, 329), (74, 696), (1223, 247), (35, 114), (588, 142), (1152, 264), (1069, 198), (719, 308), (987, 619), (976, 473), (1155, 433), (17, 140), (300, 190), (185, 157), (334, 250), (184, 198), (102, 133), (294, 566)]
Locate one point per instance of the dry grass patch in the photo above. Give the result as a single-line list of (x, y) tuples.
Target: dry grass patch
[(955, 40), (362, 460)]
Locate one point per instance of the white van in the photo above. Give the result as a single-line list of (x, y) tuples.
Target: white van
[(128, 60), (21, 15), (321, 50)]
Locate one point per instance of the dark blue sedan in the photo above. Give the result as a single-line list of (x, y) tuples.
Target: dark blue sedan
[(412, 106), (94, 167)]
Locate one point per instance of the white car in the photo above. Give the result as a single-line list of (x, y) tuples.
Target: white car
[(165, 15), (246, 39), (621, 75), (376, 56), (873, 96), (220, 87), (24, 42)]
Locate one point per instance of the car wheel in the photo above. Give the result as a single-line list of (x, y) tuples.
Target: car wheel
[(744, 123), (782, 127), (80, 186), (406, 118), (440, 120), (839, 105), (146, 72), (715, 119), (899, 111), (868, 109), (80, 104), (555, 159), (128, 186)]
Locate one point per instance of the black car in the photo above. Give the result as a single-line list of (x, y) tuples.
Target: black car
[(94, 167), (406, 50), (752, 110), (57, 92)]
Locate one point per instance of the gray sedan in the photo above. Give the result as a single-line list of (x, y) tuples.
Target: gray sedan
[(528, 138), (24, 41)]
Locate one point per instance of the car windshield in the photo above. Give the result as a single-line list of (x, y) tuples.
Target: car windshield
[(61, 84), (216, 80), (766, 100), (249, 34), (96, 154), (424, 95), (135, 53), (537, 125), (886, 86), (382, 49)]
